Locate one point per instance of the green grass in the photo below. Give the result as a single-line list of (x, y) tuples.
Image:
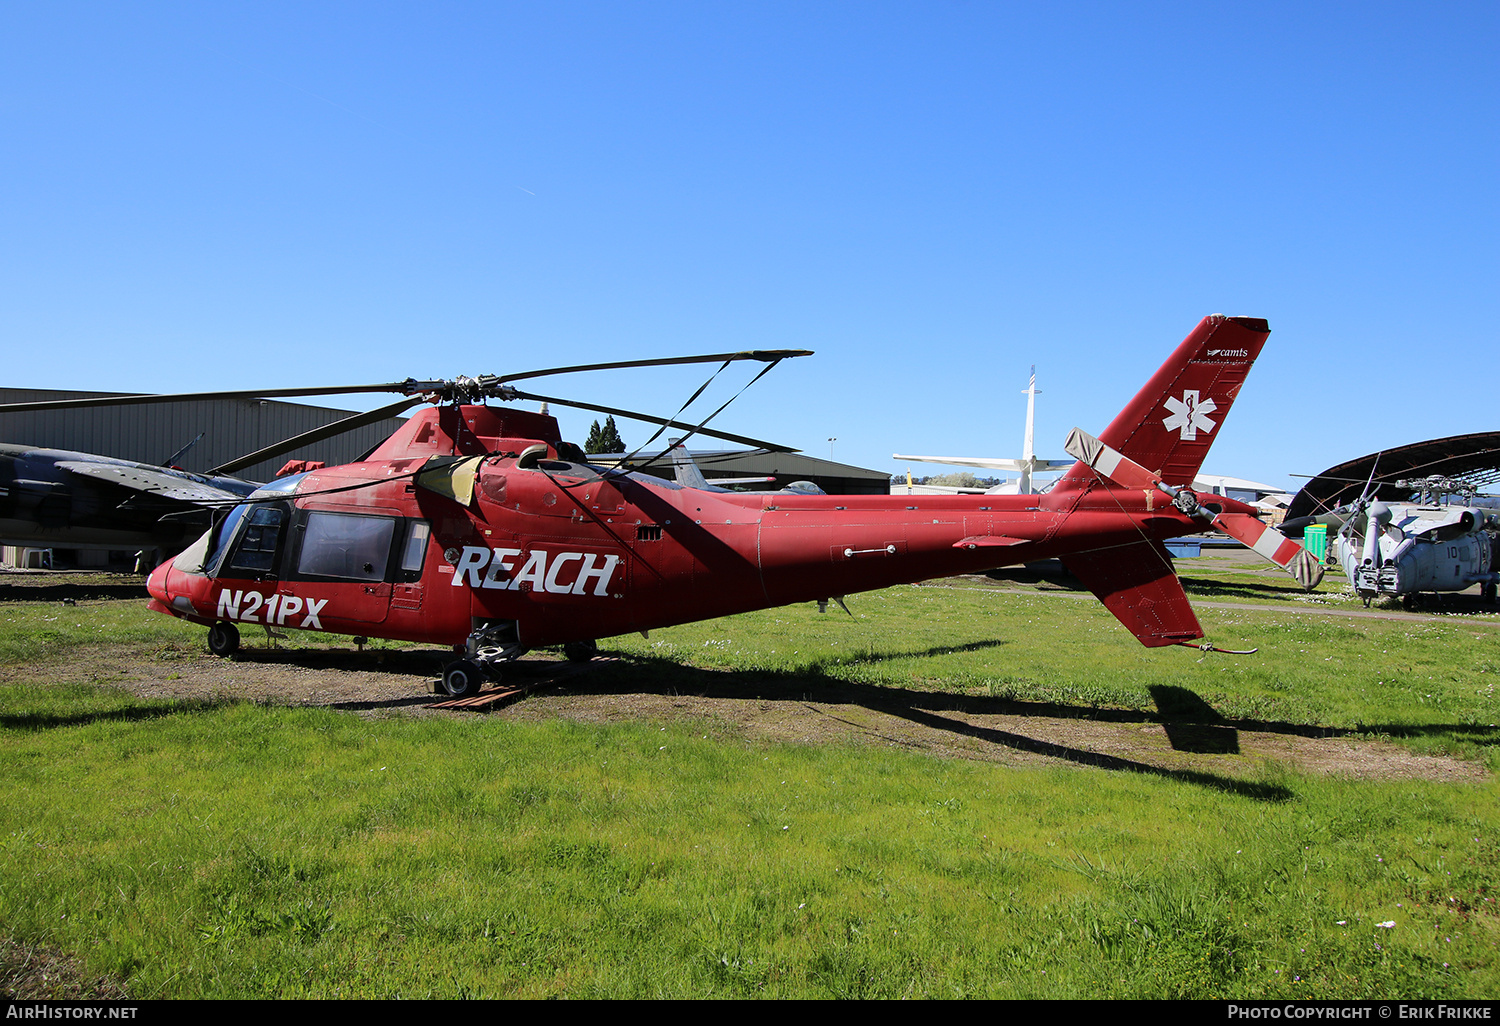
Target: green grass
[(1430, 684), (52, 633), (225, 849)]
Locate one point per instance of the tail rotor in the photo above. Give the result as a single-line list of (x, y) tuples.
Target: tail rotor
[(1261, 538)]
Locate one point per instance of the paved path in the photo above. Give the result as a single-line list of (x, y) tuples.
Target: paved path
[(1307, 609)]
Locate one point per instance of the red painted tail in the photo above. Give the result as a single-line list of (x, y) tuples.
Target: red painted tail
[(1170, 424)]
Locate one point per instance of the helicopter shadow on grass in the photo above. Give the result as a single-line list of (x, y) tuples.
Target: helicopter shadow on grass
[(925, 653), (1204, 587), (1046, 572), (30, 722), (649, 674)]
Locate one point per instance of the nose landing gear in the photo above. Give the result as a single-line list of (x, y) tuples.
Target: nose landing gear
[(223, 639)]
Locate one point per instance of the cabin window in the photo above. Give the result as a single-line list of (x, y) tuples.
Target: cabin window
[(256, 551), (415, 550), (347, 546)]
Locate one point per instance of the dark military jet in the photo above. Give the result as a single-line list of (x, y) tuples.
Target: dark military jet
[(55, 498)]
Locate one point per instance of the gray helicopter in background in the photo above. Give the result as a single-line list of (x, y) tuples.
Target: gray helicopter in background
[(1445, 540), (1410, 520)]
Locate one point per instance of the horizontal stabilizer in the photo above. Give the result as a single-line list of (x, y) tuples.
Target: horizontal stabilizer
[(990, 462), (1136, 582)]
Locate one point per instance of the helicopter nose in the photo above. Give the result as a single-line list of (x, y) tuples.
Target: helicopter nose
[(156, 584), (165, 598)]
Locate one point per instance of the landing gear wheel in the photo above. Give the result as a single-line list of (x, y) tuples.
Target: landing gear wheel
[(580, 651), (1487, 592), (223, 639), (1409, 601), (462, 679)]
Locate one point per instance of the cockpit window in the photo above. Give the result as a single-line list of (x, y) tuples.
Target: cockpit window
[(256, 550), (222, 535), (347, 546)]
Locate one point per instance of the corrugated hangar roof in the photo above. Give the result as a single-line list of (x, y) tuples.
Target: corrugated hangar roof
[(1475, 458), (152, 432)]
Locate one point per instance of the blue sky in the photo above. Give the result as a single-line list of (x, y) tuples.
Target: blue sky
[(933, 196)]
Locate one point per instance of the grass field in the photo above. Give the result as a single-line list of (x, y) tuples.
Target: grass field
[(225, 848)]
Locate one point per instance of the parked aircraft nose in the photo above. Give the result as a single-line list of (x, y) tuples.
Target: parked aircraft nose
[(156, 584)]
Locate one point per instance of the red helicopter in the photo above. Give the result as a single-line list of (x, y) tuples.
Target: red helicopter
[(477, 526)]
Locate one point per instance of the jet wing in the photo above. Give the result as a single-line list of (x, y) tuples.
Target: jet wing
[(162, 482), (1136, 582), (989, 463)]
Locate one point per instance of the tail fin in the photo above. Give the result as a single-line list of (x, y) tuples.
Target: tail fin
[(688, 474), (1170, 424)]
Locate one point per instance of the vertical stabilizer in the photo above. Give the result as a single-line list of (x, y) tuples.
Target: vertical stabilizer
[(1028, 447), (687, 472), (1171, 423)]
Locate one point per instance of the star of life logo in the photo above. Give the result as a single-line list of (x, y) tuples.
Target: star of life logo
[(1190, 415)]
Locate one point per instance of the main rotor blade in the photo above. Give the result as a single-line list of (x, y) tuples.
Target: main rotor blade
[(188, 397), (318, 434), (651, 419), (763, 355), (409, 386)]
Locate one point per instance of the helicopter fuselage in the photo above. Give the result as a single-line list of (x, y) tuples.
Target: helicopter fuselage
[(477, 524), (568, 551)]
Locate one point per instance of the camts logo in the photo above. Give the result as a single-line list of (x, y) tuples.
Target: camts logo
[(555, 573), (1226, 353)]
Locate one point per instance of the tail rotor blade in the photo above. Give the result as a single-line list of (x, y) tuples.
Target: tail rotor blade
[(1116, 466), (1269, 543), (1263, 540)]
